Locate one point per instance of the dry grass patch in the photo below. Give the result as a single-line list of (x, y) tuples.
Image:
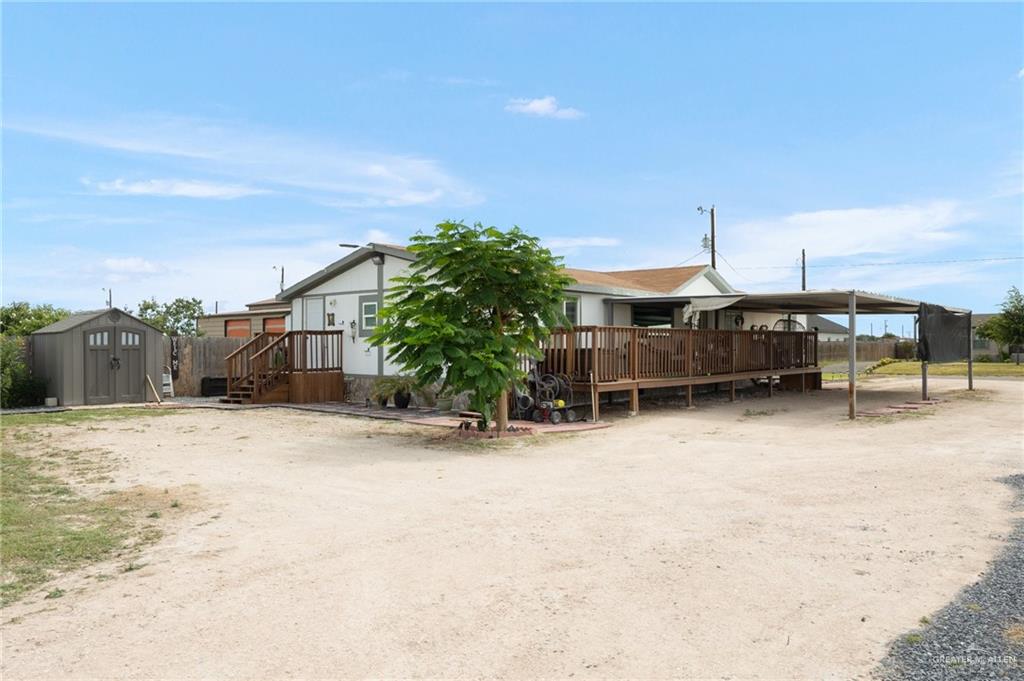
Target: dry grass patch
[(1015, 634), (57, 517)]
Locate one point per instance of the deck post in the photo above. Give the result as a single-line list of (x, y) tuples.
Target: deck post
[(852, 347), (970, 352), (924, 379), (732, 391), (634, 401), (689, 396)]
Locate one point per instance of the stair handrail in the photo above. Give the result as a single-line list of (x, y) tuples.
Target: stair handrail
[(265, 375), (243, 360)]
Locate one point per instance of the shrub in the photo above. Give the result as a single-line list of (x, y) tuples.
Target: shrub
[(18, 387)]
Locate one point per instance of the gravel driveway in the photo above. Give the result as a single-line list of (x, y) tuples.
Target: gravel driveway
[(767, 538)]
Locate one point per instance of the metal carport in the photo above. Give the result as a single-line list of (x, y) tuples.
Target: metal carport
[(851, 303)]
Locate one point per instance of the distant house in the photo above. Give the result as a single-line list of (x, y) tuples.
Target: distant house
[(827, 329), (263, 316), (984, 347)]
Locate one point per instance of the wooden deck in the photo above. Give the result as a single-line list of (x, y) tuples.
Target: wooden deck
[(297, 366), (603, 359)]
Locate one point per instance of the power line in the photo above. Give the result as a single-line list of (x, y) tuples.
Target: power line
[(703, 250), (739, 274), (884, 264)]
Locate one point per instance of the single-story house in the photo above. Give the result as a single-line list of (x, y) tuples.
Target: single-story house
[(263, 316), (632, 330), (827, 329), (347, 295)]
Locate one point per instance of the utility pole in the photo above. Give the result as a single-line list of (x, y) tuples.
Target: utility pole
[(282, 275), (714, 259), (110, 296), (803, 269)]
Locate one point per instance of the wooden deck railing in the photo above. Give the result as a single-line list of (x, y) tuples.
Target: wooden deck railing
[(259, 365), (295, 352), (621, 353)]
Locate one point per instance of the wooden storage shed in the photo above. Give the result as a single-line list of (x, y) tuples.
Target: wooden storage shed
[(98, 357)]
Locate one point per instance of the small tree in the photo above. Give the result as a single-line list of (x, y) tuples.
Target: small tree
[(1007, 327), (475, 301), (176, 318), (21, 318)]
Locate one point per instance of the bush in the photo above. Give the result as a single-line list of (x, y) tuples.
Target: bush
[(18, 387)]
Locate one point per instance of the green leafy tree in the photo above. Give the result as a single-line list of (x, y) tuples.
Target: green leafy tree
[(1006, 329), (474, 302), (21, 318), (176, 318)]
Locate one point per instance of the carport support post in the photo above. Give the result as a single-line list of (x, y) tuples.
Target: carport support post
[(924, 379), (970, 352), (852, 347)]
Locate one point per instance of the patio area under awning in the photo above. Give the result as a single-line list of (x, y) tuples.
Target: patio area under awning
[(850, 302)]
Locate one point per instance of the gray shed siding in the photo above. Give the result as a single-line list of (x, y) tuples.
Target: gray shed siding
[(59, 357)]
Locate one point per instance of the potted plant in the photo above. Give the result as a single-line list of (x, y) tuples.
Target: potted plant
[(445, 400), (397, 388)]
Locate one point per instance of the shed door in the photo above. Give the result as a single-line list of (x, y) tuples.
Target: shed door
[(99, 366), (130, 366)]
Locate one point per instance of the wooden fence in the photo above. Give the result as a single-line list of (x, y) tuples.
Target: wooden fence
[(867, 351), (197, 358)]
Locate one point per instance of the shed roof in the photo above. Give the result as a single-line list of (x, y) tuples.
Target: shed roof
[(79, 318)]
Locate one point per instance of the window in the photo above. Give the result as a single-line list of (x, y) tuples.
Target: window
[(273, 325), (129, 339), (369, 315), (238, 328), (369, 311), (98, 339), (571, 310), (330, 319)]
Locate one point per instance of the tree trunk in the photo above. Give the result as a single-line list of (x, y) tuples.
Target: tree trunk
[(501, 413)]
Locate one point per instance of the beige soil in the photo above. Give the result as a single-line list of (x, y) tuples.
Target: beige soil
[(715, 542)]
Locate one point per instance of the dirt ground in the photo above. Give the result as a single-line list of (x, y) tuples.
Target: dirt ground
[(765, 538)]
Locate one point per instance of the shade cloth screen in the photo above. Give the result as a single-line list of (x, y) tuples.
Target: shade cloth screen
[(943, 336)]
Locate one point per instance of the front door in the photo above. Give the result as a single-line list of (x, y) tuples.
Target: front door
[(130, 366), (99, 366)]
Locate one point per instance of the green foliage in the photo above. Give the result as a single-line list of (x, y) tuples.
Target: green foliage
[(386, 387), (1007, 327), (474, 302), (176, 318), (21, 318), (18, 387)]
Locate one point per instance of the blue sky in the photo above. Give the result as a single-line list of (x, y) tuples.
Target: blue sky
[(185, 150)]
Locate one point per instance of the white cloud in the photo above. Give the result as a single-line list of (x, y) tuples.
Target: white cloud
[(544, 107), (317, 169), (1020, 74), (130, 265), (580, 242), (766, 252), (195, 189)]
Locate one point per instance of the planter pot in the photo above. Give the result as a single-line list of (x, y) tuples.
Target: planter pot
[(444, 403), (383, 402), (402, 400)]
